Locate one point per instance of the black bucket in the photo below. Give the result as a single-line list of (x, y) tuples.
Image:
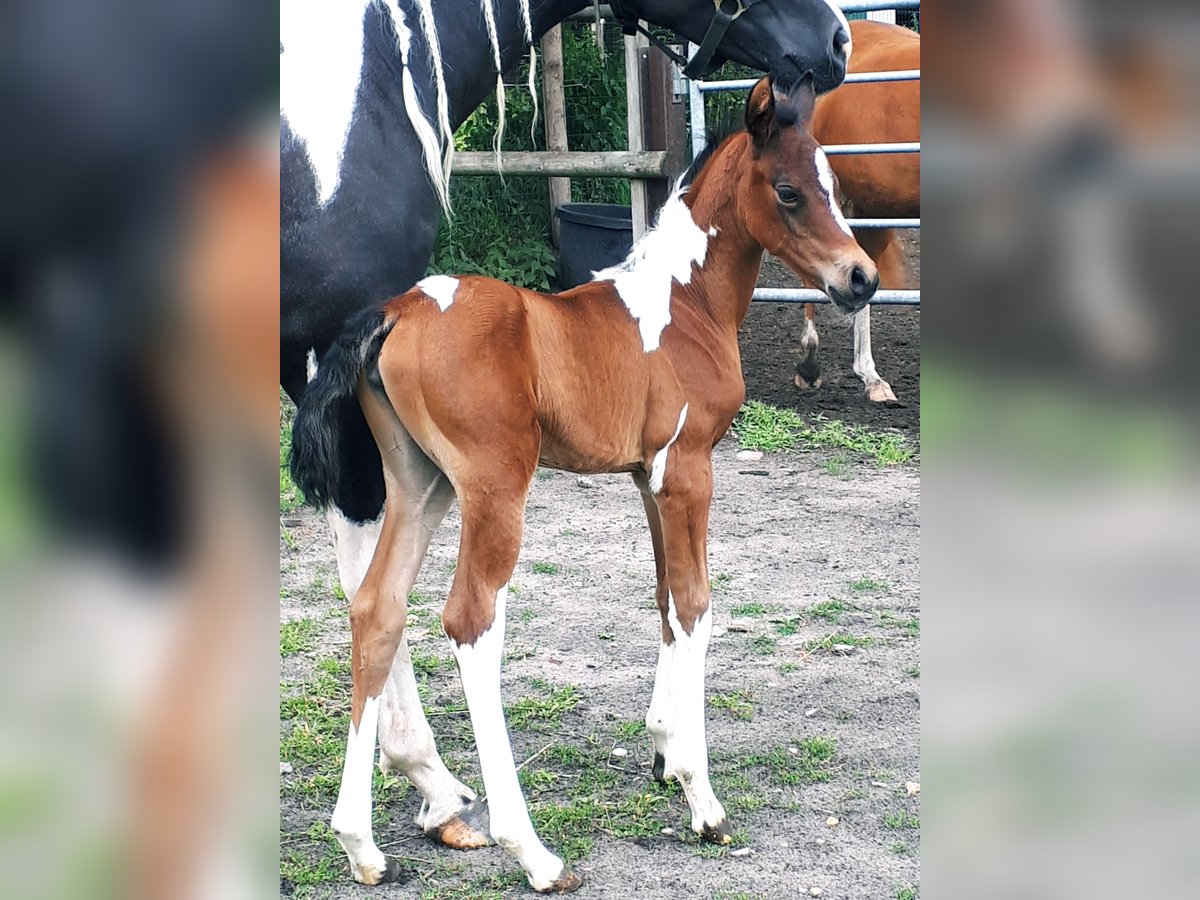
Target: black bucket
[(591, 236)]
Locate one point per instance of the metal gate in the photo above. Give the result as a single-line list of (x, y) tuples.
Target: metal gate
[(697, 90)]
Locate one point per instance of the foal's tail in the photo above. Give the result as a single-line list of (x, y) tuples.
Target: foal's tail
[(316, 442)]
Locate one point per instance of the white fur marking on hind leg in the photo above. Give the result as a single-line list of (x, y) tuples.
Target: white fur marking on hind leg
[(406, 744), (479, 667), (353, 546), (658, 466), (351, 820), (439, 288)]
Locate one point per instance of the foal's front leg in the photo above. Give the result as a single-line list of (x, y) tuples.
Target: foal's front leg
[(678, 518)]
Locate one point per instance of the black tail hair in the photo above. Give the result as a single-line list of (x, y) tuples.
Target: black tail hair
[(316, 442)]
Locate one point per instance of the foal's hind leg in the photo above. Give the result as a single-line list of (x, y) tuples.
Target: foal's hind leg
[(492, 488), (418, 497), (675, 719)]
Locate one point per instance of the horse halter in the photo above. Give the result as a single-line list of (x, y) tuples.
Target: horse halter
[(701, 63)]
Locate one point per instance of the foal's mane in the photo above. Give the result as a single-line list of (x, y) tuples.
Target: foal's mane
[(713, 138)]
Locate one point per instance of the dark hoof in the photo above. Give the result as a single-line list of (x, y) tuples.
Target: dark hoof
[(807, 379), (721, 833), (467, 831), (660, 769), (564, 884)]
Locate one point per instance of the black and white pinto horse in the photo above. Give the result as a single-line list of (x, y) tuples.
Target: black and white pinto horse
[(370, 93)]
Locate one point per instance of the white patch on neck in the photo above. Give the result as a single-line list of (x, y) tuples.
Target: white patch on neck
[(440, 288), (825, 177), (319, 71), (837, 11), (664, 254), (658, 466)]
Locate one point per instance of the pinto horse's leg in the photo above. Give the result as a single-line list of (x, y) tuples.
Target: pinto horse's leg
[(808, 369), (492, 495), (675, 719), (662, 598)]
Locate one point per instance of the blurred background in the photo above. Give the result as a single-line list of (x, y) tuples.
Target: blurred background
[(138, 270), (1060, 553)]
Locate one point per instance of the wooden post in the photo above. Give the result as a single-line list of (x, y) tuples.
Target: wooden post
[(633, 100), (664, 122), (554, 112)]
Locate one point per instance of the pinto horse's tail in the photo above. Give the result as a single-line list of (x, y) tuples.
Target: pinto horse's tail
[(317, 441)]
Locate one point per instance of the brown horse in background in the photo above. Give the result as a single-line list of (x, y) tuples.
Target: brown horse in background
[(875, 185), (469, 384)]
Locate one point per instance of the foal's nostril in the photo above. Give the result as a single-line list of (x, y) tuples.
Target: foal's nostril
[(859, 283)]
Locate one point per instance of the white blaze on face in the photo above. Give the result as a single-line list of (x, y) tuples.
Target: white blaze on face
[(319, 71), (825, 178), (479, 667), (676, 716), (663, 255), (352, 816), (658, 466), (440, 288)]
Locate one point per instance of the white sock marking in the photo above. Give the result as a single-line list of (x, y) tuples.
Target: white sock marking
[(479, 667), (825, 177), (439, 288), (319, 72), (658, 465), (676, 716), (664, 254), (864, 362), (353, 546), (351, 820)]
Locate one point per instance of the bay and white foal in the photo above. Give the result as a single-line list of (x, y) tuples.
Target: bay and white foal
[(470, 384)]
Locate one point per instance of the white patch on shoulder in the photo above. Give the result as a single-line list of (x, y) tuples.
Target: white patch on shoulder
[(440, 288), (310, 364), (664, 254), (319, 72), (658, 466), (837, 11), (825, 177)]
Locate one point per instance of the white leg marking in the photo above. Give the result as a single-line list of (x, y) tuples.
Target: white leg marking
[(479, 666), (810, 341), (319, 71), (406, 744), (878, 390), (352, 816), (439, 288), (666, 253), (676, 716), (353, 546), (825, 177), (658, 465)]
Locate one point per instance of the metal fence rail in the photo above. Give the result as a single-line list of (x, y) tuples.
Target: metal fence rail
[(697, 90)]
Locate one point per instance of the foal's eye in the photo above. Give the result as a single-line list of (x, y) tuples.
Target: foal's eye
[(786, 194)]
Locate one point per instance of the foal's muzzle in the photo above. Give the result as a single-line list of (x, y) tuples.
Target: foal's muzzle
[(858, 291)]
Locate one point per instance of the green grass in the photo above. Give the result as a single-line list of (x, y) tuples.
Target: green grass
[(913, 671), (760, 426), (901, 820), (748, 609), (297, 636), (545, 568), (899, 848), (763, 645), (290, 497), (906, 892), (826, 644), (910, 626), (812, 763), (836, 465), (787, 627), (719, 584), (483, 887), (830, 610), (542, 713), (865, 584), (740, 703), (788, 668), (627, 731)]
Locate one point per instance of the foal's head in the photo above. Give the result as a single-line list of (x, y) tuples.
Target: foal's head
[(789, 198)]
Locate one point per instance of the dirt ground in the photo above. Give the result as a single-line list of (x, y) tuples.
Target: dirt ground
[(813, 671)]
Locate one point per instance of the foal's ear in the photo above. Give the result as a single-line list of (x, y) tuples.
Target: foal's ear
[(760, 112)]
